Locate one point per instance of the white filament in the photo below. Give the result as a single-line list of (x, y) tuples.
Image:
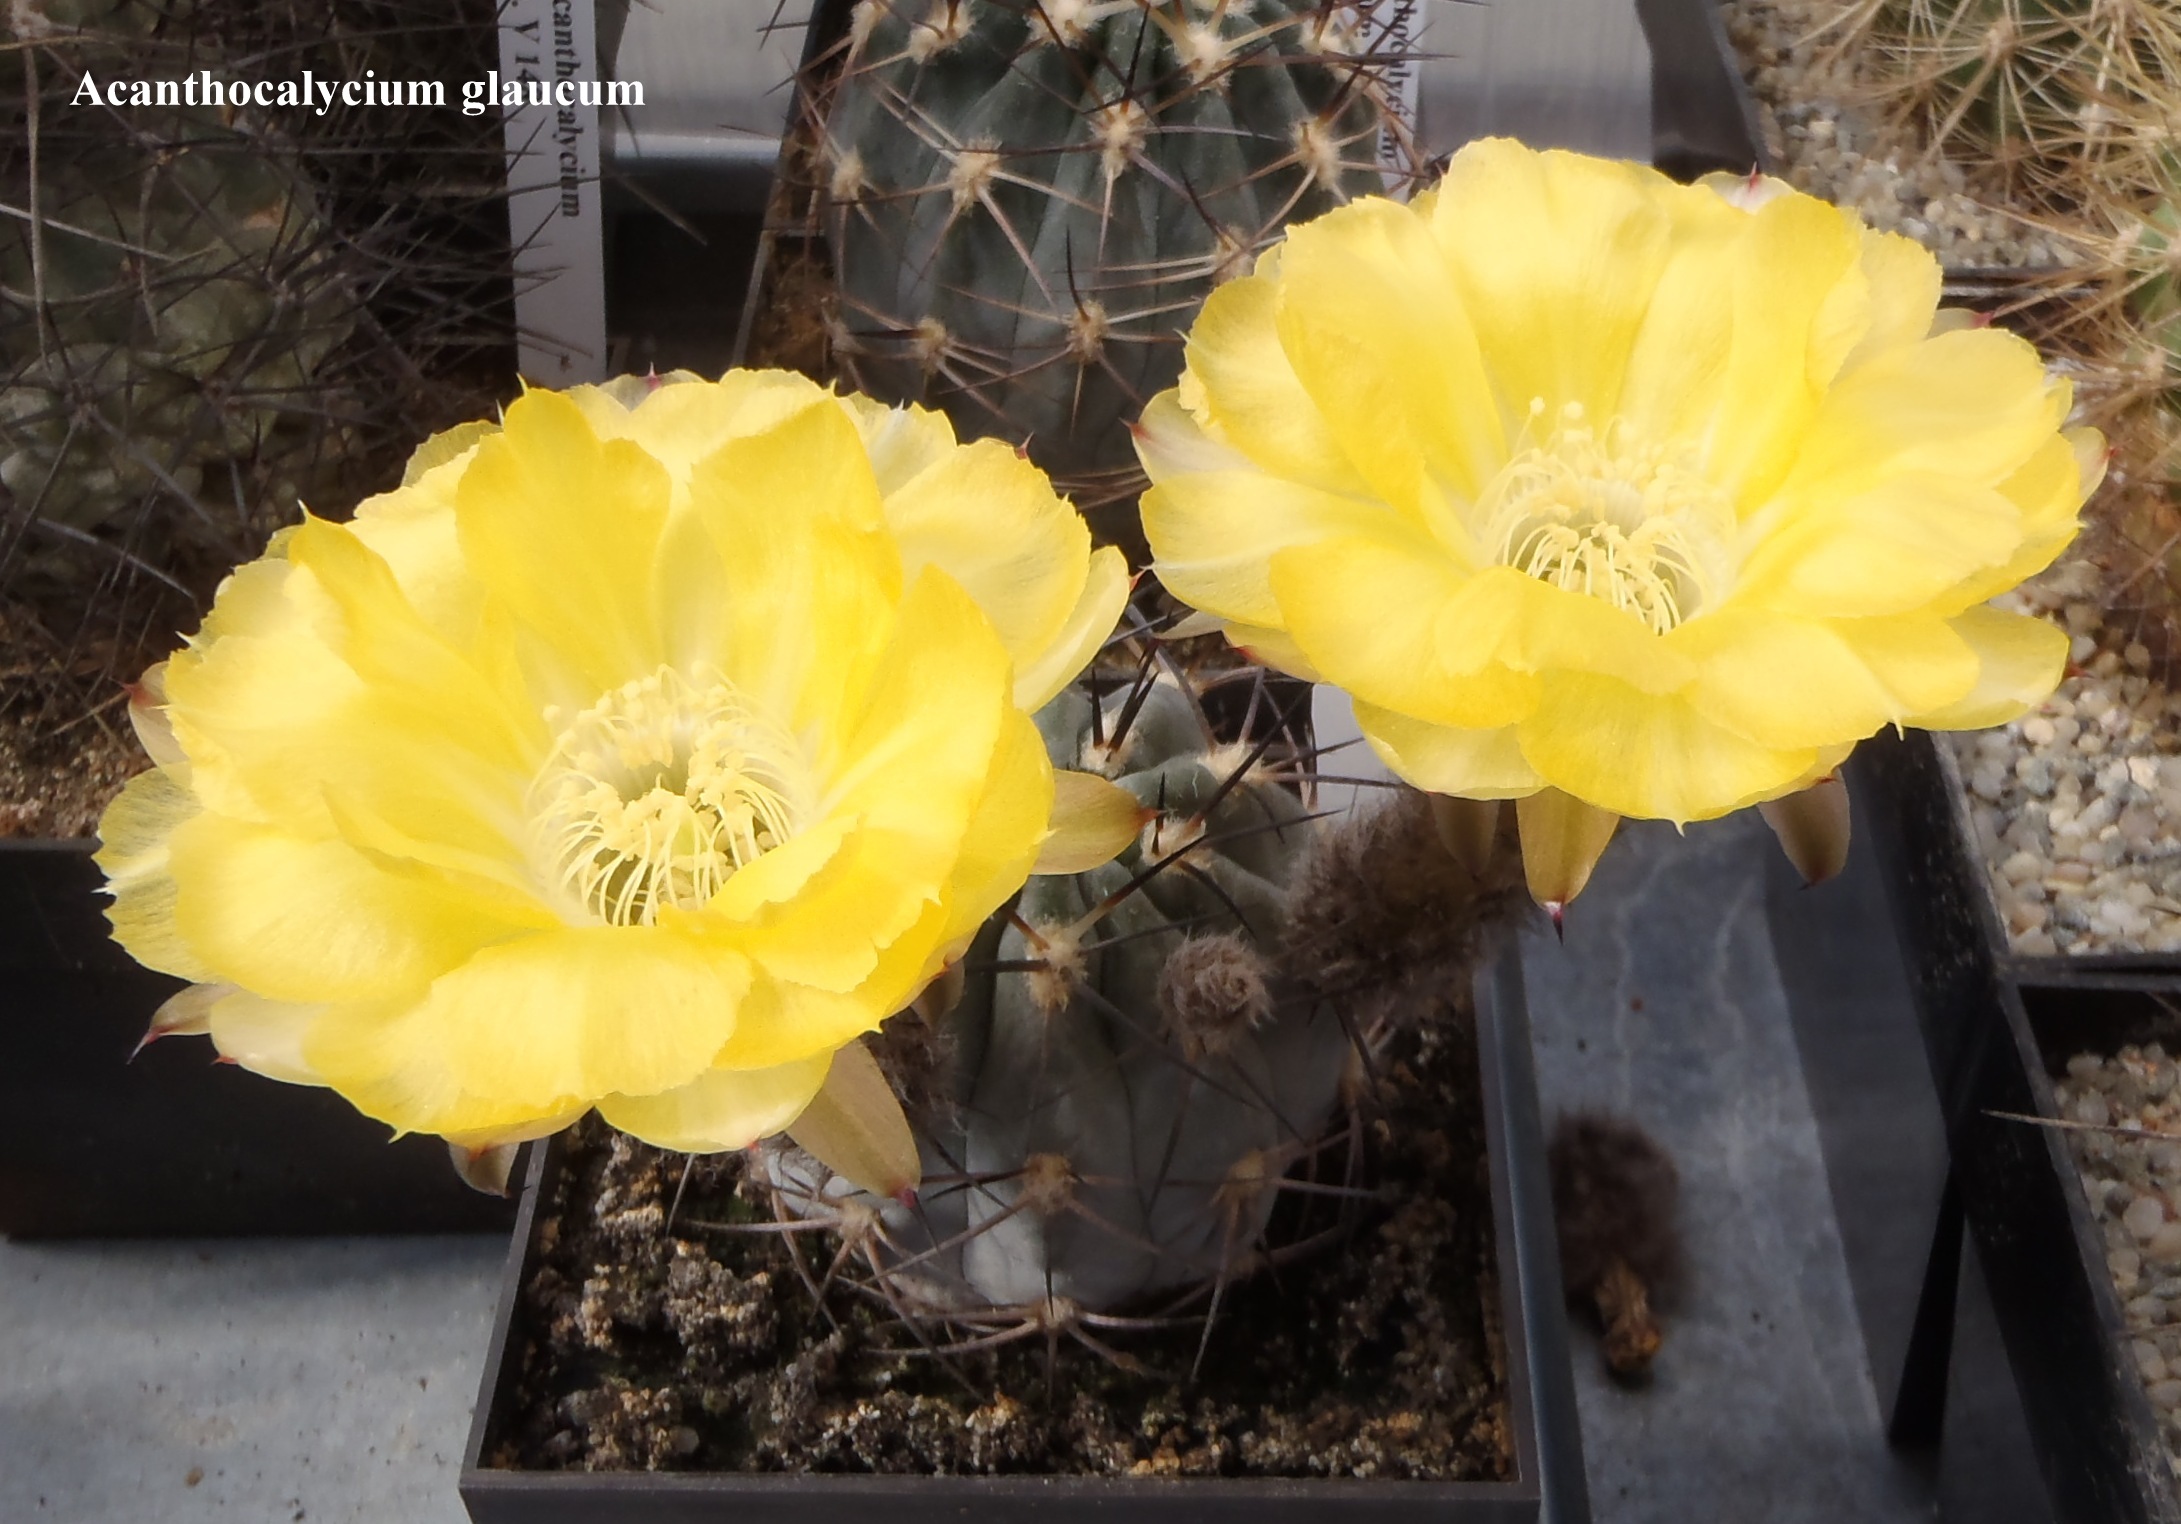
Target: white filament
[(659, 792)]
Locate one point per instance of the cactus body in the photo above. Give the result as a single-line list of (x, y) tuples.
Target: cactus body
[(2073, 104), (1029, 199), (230, 309), (1128, 1072), (183, 328), (2050, 90), (1142, 1058)]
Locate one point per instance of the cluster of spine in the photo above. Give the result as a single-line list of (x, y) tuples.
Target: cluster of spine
[(2053, 91), (2077, 104), (1027, 200), (219, 313), (1140, 1062)]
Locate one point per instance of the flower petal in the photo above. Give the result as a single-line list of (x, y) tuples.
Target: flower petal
[(829, 932), (912, 768), (1794, 257), (1384, 620), (1474, 764), (1501, 617), (1972, 404), (902, 442), (827, 573), (2049, 490), (1214, 533), (679, 424), (992, 522), (854, 1126), (1555, 256), (1850, 676), (914, 756), (781, 1023), (1648, 755), (1000, 845), (1382, 341), (388, 645), (1889, 550), (387, 1061), (265, 1036), (562, 528), (1562, 840), (1081, 636), (721, 1109), (314, 921), (1251, 394), (134, 835), (2020, 661), (1904, 282), (584, 1011), (1093, 823)]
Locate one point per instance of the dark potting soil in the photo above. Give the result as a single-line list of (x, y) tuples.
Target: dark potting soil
[(686, 1348)]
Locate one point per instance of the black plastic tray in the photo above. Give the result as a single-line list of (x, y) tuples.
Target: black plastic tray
[(1540, 1394), (171, 1144), (1703, 117), (1994, 1026)]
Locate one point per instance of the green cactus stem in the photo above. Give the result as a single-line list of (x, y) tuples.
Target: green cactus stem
[(1028, 199)]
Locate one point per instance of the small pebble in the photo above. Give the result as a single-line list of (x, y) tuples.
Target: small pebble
[(2144, 1217), (2021, 867)]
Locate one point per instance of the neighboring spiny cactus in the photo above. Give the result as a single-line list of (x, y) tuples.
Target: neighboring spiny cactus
[(2077, 105), (179, 310), (221, 313), (2040, 87), (1028, 199), (1142, 1058)]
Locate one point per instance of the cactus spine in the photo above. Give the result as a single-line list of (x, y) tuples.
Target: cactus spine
[(1142, 1058), (1027, 199), (2076, 104), (218, 313)]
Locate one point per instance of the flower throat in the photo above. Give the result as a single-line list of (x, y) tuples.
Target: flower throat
[(659, 792), (1604, 512)]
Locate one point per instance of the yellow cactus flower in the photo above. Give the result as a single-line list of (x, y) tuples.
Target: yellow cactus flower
[(639, 752), (1612, 494)]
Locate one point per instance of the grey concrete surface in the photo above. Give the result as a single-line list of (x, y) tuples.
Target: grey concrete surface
[(1664, 1005), (240, 1380)]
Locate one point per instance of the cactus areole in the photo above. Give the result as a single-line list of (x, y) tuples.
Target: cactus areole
[(1030, 198)]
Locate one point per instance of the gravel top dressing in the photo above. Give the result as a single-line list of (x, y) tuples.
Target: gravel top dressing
[(1828, 140), (689, 1347), (2077, 805), (2134, 1185)]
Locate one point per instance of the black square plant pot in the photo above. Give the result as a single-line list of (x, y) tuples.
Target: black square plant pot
[(1997, 1027), (1540, 1407), (171, 1144), (1703, 117)]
